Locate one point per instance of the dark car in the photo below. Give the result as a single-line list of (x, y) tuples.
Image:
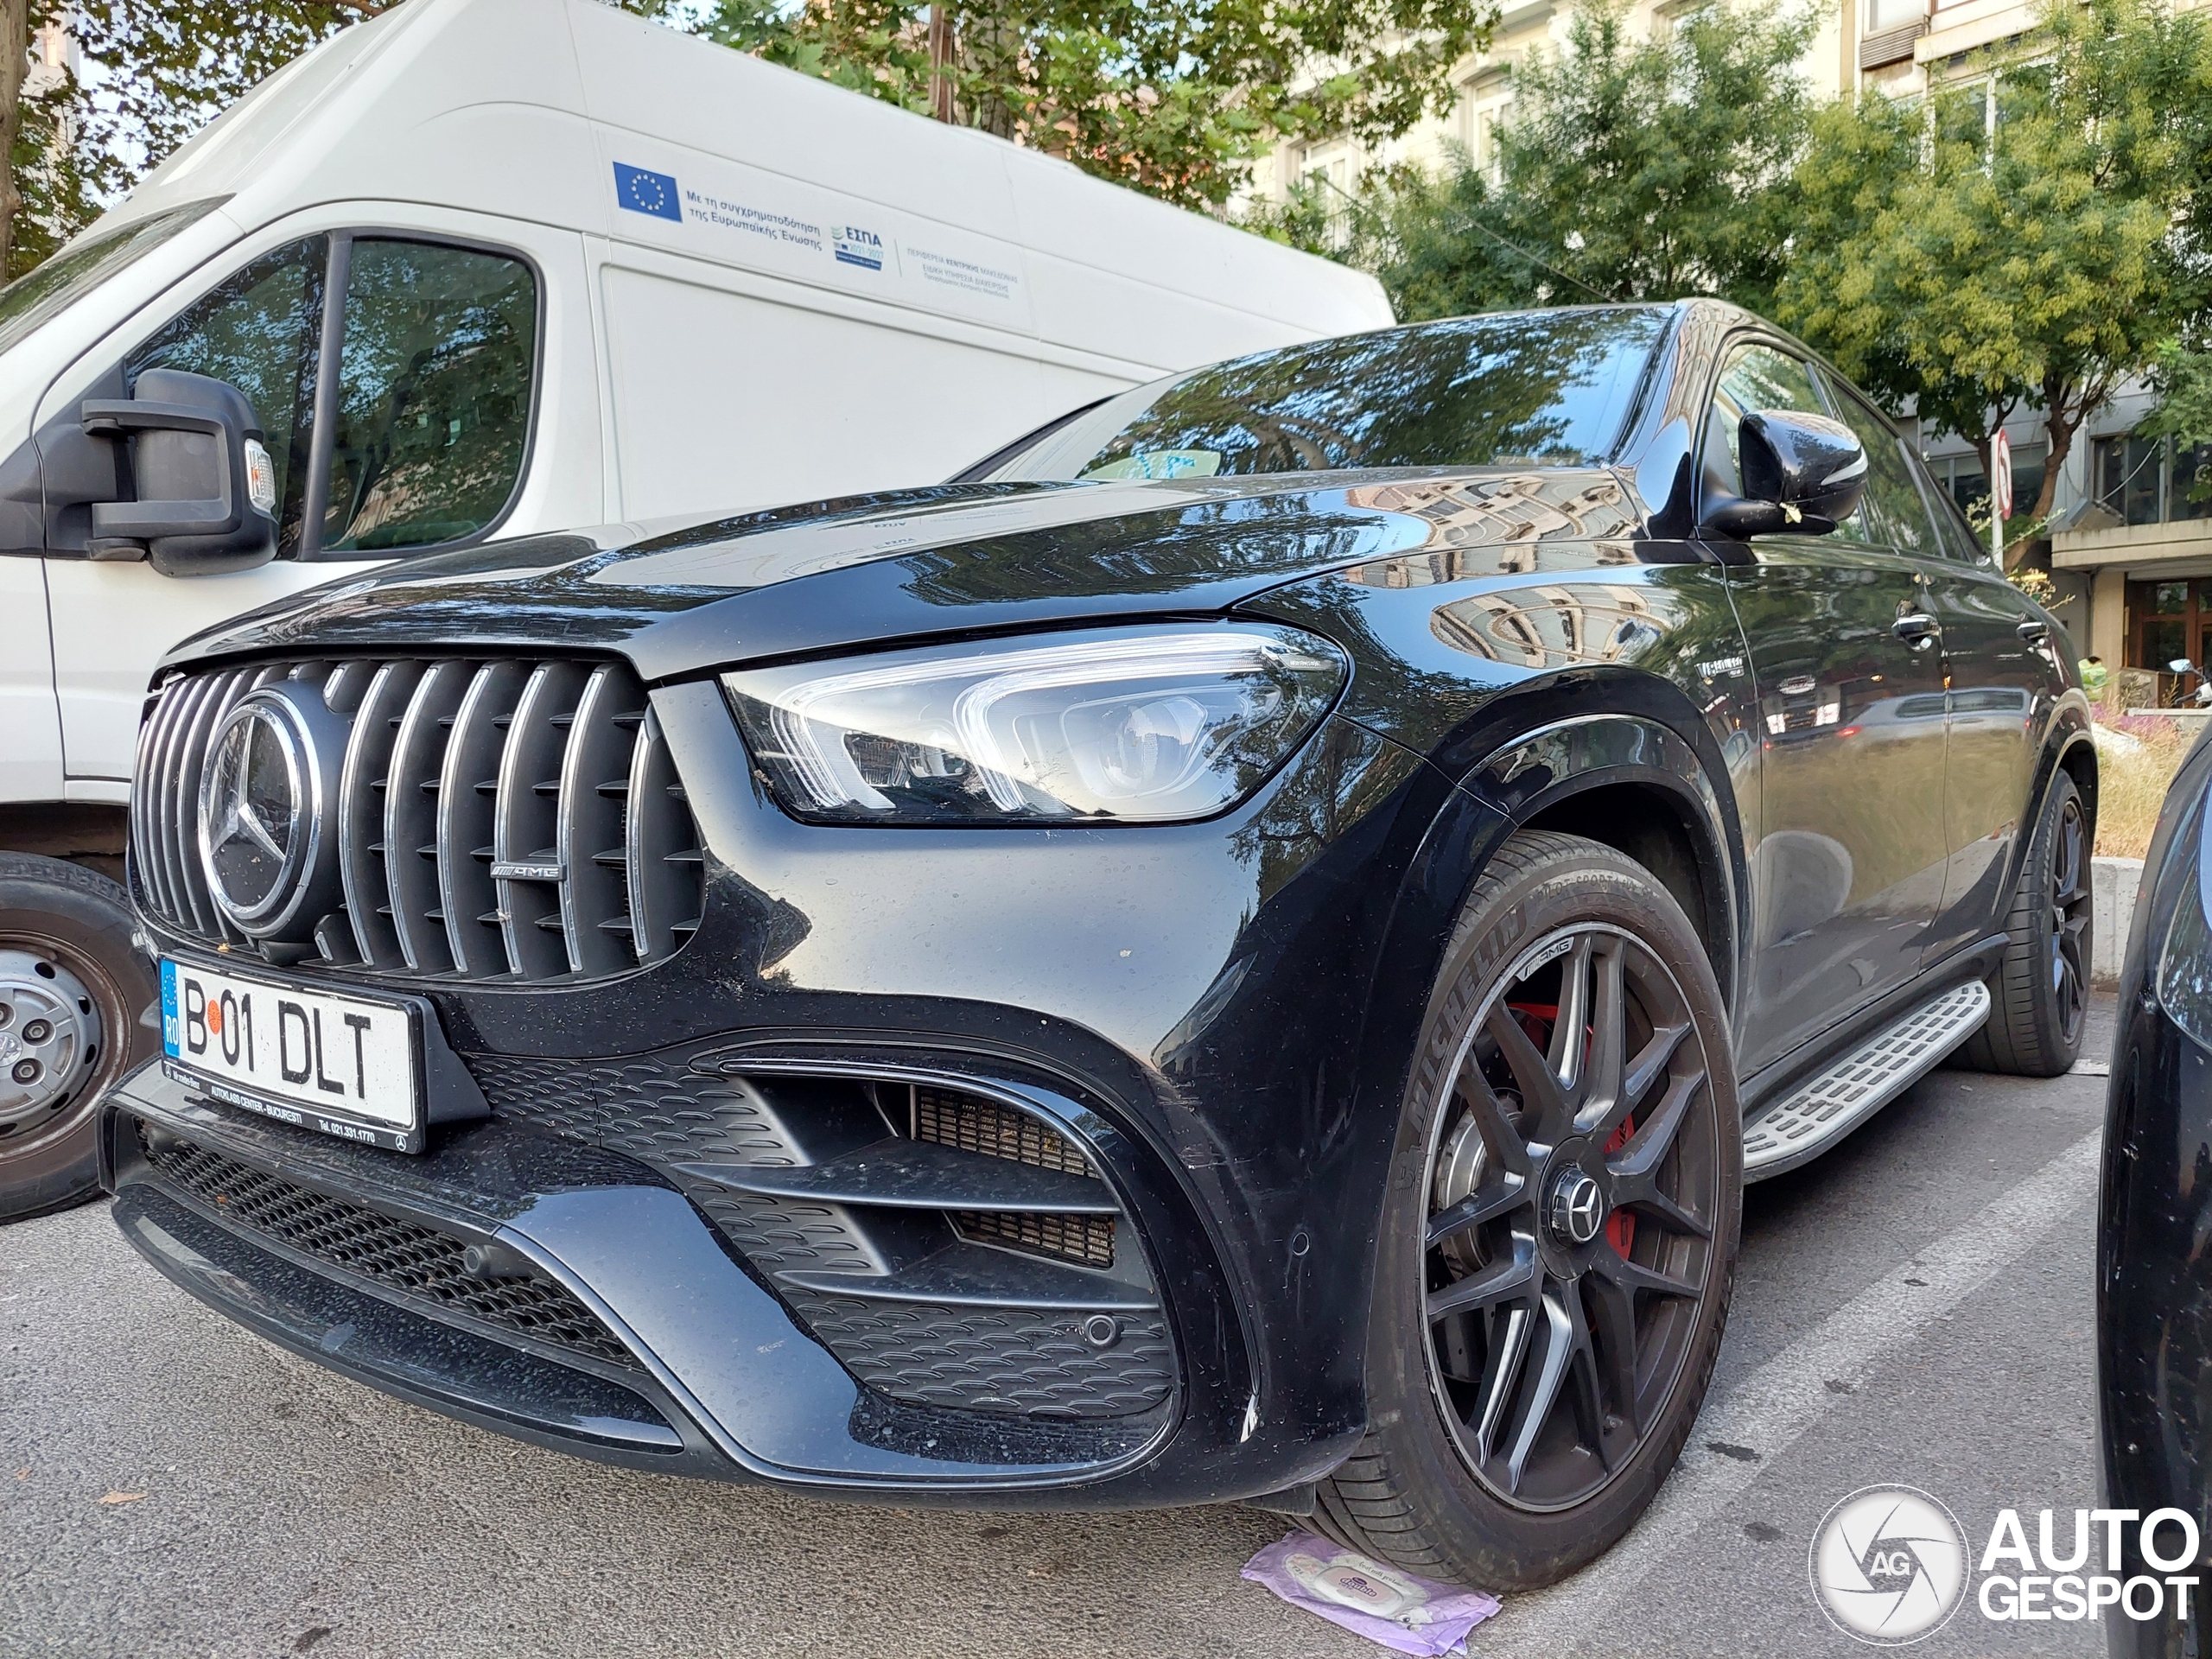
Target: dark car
[(2154, 1290), (1243, 949)]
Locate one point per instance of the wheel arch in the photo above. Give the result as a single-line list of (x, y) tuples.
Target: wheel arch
[(1635, 782), (90, 833)]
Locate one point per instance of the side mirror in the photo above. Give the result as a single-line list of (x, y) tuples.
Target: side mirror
[(206, 491), (1802, 473), (2181, 665)]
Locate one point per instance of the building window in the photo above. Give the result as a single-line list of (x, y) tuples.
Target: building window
[(1969, 486), (2148, 480), (2167, 620)]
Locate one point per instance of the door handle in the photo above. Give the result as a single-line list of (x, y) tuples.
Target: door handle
[(2033, 631), (1918, 629)]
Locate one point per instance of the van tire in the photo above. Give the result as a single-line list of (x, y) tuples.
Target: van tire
[(78, 923)]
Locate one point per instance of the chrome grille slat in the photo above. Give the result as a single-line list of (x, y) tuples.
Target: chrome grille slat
[(449, 765), (598, 750), (368, 757), (191, 760), (466, 890), (153, 797), (410, 817), (658, 836), (524, 829), (181, 807)]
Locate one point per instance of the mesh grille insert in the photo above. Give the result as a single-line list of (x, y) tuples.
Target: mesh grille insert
[(1087, 1240), (398, 1255), (971, 1123)]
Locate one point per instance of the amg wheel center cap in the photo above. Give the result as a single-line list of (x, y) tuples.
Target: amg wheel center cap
[(1578, 1207)]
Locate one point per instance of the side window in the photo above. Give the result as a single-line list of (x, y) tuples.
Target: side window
[(1891, 513), (260, 330), (1756, 376), (434, 394), (1955, 537)]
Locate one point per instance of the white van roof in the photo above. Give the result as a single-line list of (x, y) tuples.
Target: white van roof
[(570, 112)]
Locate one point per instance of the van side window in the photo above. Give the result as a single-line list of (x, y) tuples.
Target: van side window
[(434, 394), (259, 331)]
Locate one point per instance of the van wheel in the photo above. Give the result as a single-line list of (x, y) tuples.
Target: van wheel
[(71, 992), (2039, 995), (1558, 1241)]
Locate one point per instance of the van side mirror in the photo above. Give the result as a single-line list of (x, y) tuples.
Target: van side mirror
[(1802, 473), (206, 491)]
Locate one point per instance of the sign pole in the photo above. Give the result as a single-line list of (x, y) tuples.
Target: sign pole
[(2000, 495)]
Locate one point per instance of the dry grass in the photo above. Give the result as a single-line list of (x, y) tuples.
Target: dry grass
[(2137, 758)]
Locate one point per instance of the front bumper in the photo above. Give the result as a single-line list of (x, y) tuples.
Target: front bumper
[(1217, 1014), (644, 1341)]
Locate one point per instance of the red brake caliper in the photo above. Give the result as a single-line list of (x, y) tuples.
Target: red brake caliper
[(1537, 1019)]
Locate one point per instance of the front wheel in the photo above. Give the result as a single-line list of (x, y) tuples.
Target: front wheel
[(72, 991), (1559, 1237)]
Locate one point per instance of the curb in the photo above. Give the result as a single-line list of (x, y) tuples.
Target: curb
[(2113, 882)]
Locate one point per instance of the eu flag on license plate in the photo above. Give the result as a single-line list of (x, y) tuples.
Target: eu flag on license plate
[(643, 191)]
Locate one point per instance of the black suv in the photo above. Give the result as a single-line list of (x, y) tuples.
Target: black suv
[(1245, 948)]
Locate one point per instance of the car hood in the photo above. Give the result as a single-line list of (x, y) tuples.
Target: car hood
[(906, 565)]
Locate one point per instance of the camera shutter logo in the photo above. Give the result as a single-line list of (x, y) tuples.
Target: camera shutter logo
[(1889, 1565)]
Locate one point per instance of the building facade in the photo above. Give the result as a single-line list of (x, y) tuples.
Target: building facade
[(2130, 551)]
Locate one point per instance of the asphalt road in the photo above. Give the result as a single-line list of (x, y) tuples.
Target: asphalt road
[(1916, 1308)]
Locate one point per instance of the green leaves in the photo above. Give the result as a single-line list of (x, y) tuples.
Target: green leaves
[(1965, 274), (1173, 97), (1631, 167)]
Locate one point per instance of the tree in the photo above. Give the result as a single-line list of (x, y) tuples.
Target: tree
[(1174, 97), (1964, 274), (1629, 168)]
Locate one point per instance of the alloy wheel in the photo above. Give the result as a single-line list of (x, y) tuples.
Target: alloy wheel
[(2068, 919), (1574, 1187)]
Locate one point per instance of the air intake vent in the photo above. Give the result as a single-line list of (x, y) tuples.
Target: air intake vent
[(396, 1256), (506, 819)]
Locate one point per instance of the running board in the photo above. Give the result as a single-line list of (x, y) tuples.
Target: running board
[(1799, 1128)]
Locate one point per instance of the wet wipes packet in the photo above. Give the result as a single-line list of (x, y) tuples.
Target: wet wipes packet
[(1384, 1604)]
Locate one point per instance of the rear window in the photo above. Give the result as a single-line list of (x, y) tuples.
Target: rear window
[(1534, 389)]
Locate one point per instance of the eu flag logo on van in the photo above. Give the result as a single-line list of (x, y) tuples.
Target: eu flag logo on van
[(642, 192)]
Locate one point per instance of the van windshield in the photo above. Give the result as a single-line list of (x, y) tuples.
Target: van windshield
[(85, 264), (1508, 389)]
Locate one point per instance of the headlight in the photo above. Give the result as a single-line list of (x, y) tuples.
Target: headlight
[(1131, 725), (2184, 967)]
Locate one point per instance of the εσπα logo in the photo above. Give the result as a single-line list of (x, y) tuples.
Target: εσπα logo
[(1889, 1565)]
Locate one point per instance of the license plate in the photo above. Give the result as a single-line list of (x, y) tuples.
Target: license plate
[(346, 1066)]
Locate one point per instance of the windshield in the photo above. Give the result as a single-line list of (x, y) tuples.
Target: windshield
[(85, 264), (1517, 389)]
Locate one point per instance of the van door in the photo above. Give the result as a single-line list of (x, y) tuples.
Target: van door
[(399, 419)]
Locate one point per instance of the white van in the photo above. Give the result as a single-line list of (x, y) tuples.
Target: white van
[(483, 268)]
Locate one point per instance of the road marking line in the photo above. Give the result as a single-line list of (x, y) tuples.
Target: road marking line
[(1769, 1410)]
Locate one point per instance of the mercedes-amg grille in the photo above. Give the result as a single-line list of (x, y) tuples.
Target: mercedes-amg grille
[(503, 819)]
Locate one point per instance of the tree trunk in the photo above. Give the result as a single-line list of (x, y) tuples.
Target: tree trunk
[(990, 48), (2063, 418), (941, 80), (14, 63)]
